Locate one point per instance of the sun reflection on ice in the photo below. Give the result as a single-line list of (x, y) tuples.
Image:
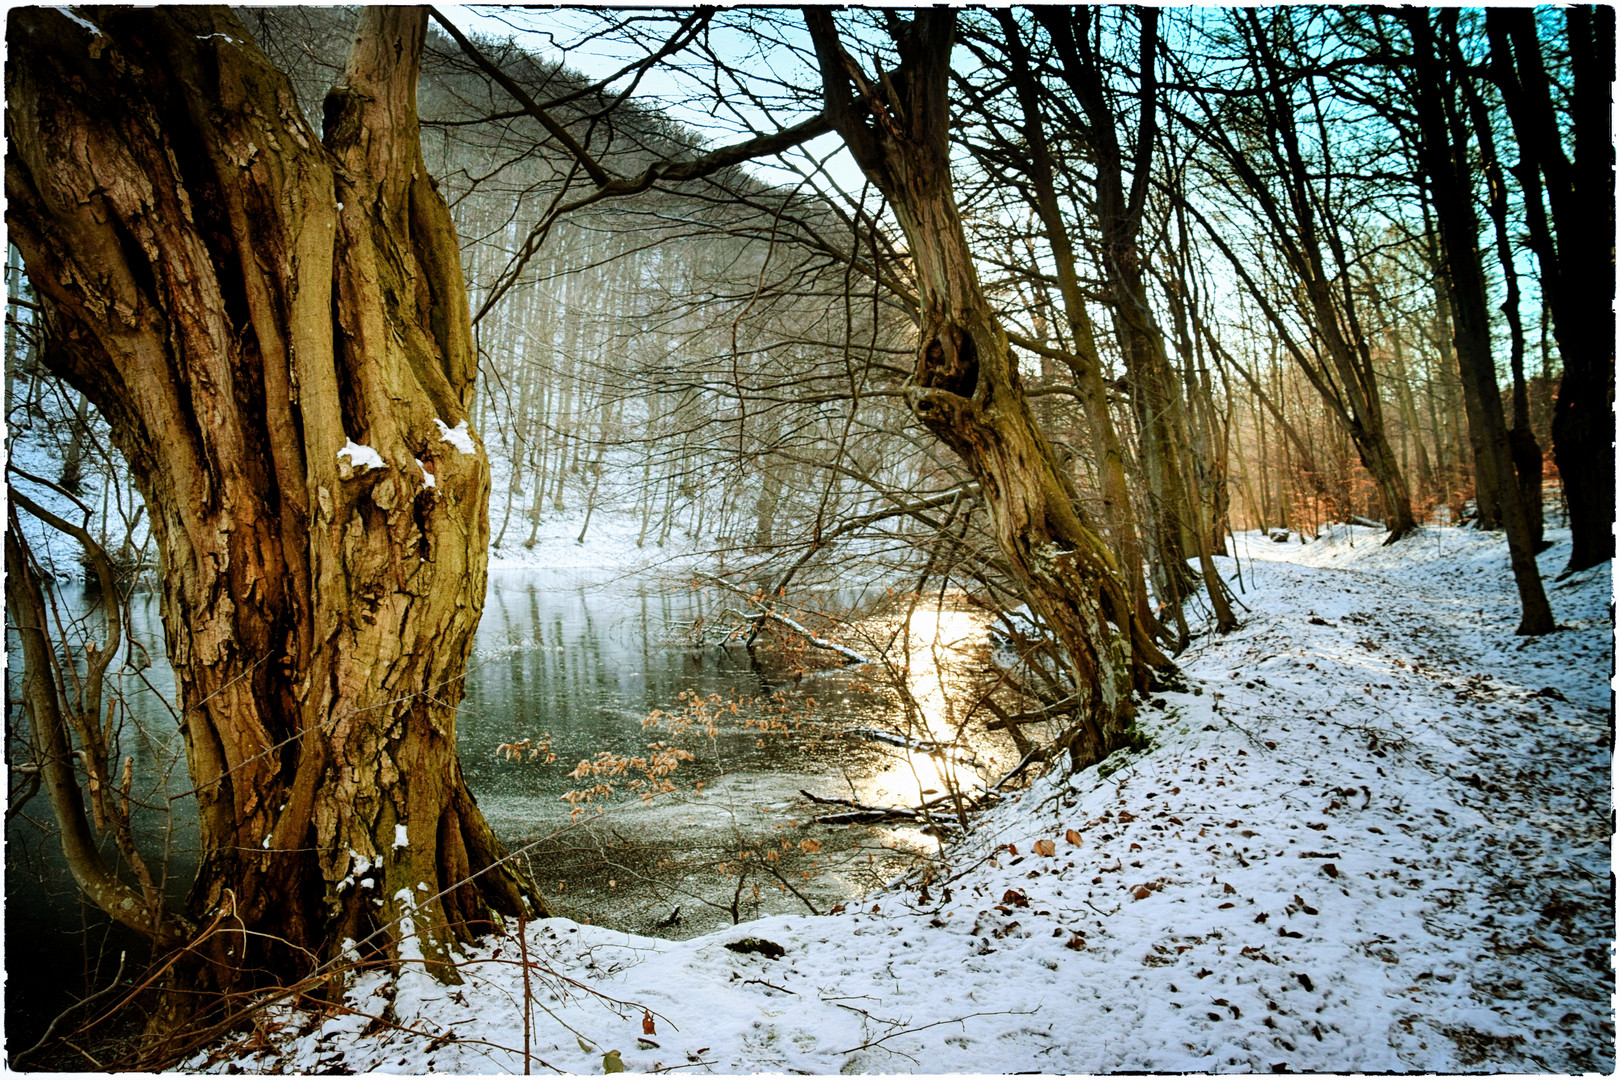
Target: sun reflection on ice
[(930, 669)]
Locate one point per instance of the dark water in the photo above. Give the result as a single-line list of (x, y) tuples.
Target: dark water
[(58, 947), (584, 663)]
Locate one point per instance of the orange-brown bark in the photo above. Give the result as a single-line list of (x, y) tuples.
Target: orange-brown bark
[(242, 300)]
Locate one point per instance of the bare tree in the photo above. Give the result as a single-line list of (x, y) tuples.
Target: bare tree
[(1576, 253), (1291, 179), (1442, 153), (967, 387)]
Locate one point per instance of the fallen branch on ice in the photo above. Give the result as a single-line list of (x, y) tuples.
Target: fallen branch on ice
[(861, 813), (767, 613)]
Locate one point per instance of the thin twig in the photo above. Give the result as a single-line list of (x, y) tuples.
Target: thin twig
[(51, 1030), (937, 1023), (773, 986), (528, 994)]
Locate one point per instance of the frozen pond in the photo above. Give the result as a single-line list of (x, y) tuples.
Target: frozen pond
[(583, 663)]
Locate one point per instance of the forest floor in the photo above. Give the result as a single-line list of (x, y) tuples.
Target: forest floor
[(1374, 837)]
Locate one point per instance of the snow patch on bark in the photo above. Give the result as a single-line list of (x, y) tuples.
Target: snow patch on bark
[(360, 457), (92, 27), (357, 868), (458, 436)]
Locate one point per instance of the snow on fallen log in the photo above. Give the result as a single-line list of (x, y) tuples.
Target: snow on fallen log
[(862, 813), (821, 643), (921, 746), (766, 612)]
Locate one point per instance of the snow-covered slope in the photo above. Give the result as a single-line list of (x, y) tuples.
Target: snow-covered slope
[(1375, 837), (610, 545)]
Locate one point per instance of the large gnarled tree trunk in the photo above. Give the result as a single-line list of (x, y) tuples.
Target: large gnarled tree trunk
[(966, 387), (243, 302)]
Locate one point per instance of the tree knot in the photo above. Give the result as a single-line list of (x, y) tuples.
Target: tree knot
[(949, 360)]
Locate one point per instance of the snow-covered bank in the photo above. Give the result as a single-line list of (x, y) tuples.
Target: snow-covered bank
[(1375, 837), (609, 545)]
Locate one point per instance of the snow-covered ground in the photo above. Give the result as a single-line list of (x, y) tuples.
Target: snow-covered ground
[(1375, 837), (609, 545)]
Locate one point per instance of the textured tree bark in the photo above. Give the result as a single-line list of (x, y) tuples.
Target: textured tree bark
[(277, 333), (966, 387)]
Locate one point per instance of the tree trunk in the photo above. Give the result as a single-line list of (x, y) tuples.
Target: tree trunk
[(1456, 468), (967, 389), (1409, 413), (1086, 366), (1207, 455), (60, 704), (1583, 423), (1442, 154), (1304, 223), (1119, 222), (1525, 453), (770, 496), (277, 333), (1577, 254)]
